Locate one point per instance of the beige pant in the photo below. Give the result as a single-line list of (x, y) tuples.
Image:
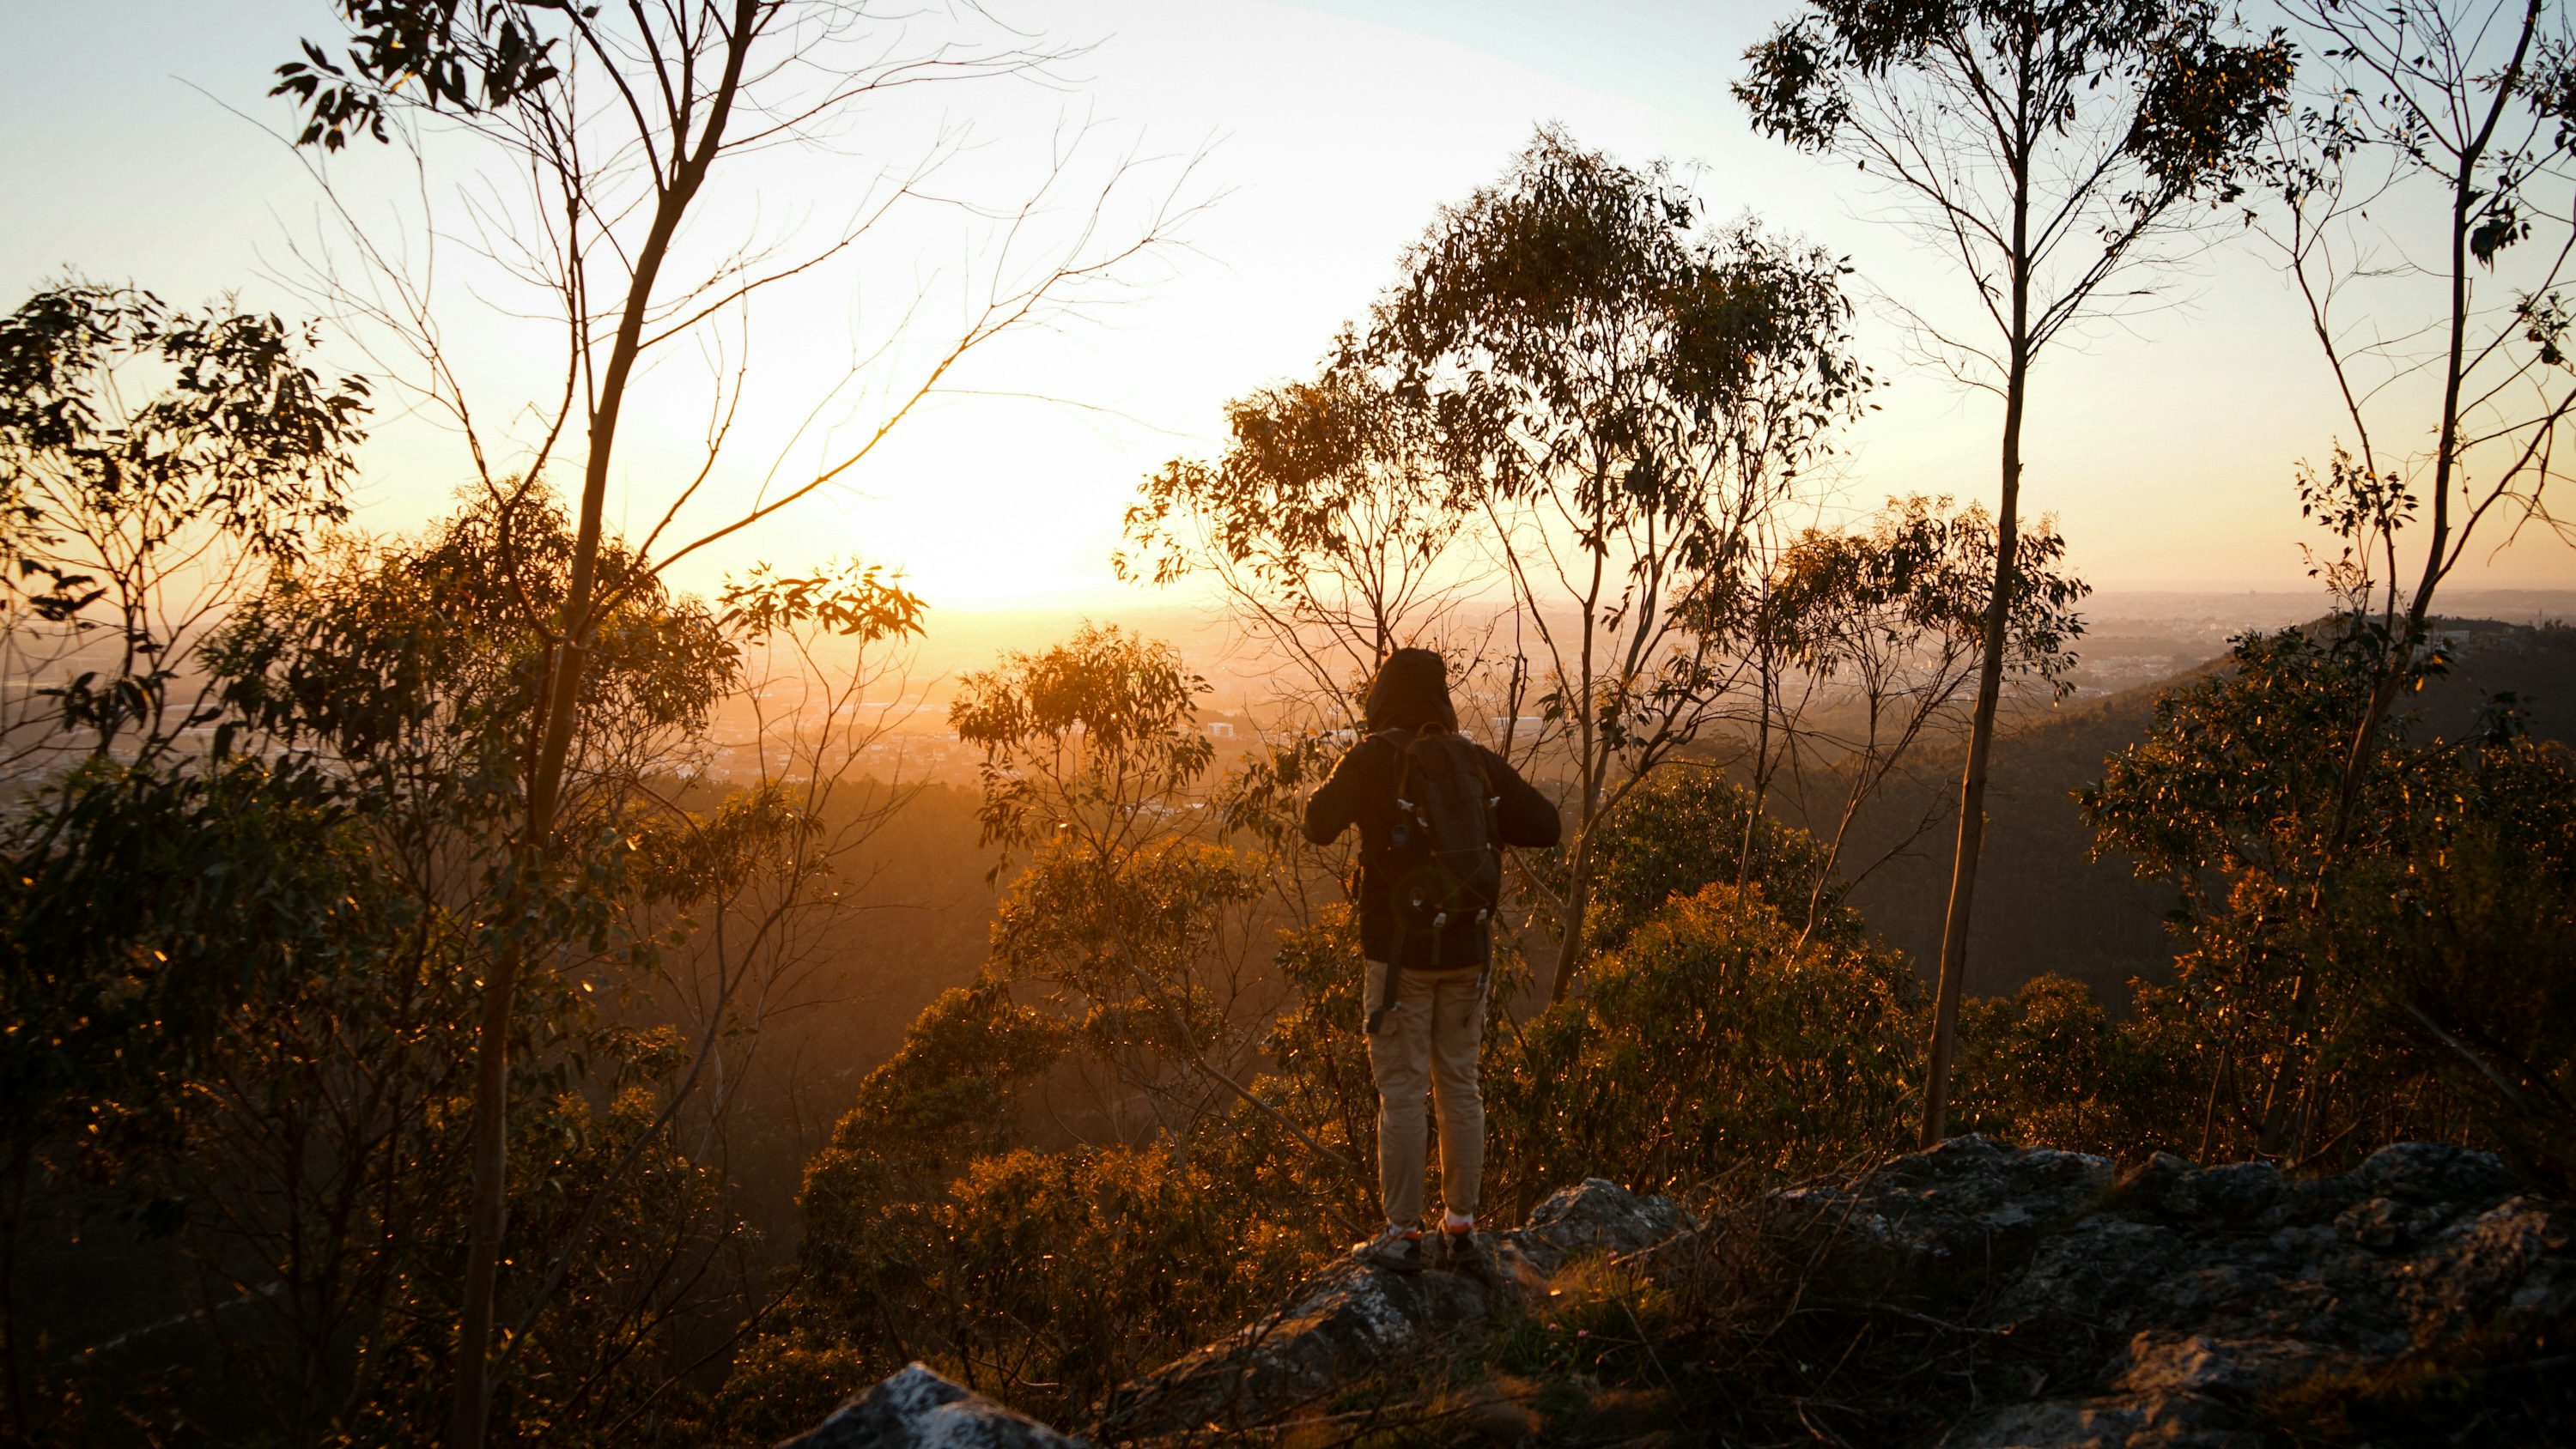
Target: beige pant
[(1428, 1045)]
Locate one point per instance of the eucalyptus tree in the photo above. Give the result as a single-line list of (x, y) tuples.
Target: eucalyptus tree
[(1128, 912), (2422, 216), (258, 964), (1322, 523), (155, 463), (1890, 615), (1325, 527), (614, 135), (1624, 397), (2054, 150)]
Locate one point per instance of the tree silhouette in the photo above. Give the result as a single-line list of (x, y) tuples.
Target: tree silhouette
[(2050, 147), (623, 123), (2456, 115), (1623, 398), (154, 462)]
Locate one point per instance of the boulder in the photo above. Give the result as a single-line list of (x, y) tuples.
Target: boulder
[(917, 1409), (1926, 1228), (2222, 1287), (1354, 1317)]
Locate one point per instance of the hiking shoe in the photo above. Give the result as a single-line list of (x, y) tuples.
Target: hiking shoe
[(1397, 1250)]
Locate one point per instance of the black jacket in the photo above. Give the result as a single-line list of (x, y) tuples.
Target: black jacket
[(1362, 791)]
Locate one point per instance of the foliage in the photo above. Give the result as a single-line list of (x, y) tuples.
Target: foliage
[(2456, 938), (151, 459), (480, 59), (2436, 966), (2048, 147), (1320, 1075), (1043, 1277), (2466, 107), (1923, 569), (1606, 341), (2048, 1066), (256, 1026), (1089, 737), (1892, 611), (1686, 829), (145, 907), (1597, 356), (621, 127), (1714, 1041), (1327, 522), (1126, 918), (950, 1094), (1134, 949), (255, 971), (244, 433), (343, 657), (2197, 102), (1047, 1278), (946, 1094), (851, 599), (1626, 397)]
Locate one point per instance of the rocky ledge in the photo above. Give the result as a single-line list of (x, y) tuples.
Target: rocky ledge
[(1352, 1319), (917, 1409), (2167, 1304)]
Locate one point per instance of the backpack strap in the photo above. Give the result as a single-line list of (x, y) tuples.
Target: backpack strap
[(1387, 993)]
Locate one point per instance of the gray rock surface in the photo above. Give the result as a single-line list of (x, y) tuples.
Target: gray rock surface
[(917, 1409), (1352, 1318), (2216, 1287), (2167, 1302)]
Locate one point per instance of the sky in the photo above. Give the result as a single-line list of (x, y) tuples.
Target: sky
[(1325, 135)]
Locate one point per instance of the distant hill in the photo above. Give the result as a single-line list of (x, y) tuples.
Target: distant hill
[(2042, 905)]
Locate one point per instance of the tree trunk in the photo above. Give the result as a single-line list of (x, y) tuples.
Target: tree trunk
[(557, 712), (1578, 904), (1593, 755), (1972, 799), (1990, 672)]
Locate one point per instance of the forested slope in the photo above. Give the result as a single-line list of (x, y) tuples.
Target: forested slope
[(2047, 905)]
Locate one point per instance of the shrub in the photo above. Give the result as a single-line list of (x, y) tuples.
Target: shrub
[(1685, 829), (1713, 1042)]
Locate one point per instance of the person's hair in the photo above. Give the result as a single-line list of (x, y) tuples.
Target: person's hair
[(1411, 690)]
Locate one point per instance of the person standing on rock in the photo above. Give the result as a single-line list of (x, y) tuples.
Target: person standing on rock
[(1434, 810)]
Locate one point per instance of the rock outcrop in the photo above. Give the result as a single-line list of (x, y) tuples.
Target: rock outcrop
[(2168, 1305), (2222, 1289), (2205, 1293), (1352, 1319), (917, 1409)]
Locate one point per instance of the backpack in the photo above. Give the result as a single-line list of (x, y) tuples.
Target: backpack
[(1443, 856)]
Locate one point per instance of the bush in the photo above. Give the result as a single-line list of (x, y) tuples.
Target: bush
[(1713, 1042), (1041, 1278), (1685, 829), (2048, 1067)]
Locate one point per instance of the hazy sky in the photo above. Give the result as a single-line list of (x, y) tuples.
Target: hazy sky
[(1333, 130)]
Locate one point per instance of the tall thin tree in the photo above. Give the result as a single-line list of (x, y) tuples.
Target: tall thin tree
[(2420, 223), (612, 129), (2050, 147)]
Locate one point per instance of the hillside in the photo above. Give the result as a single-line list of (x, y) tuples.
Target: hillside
[(2043, 904)]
